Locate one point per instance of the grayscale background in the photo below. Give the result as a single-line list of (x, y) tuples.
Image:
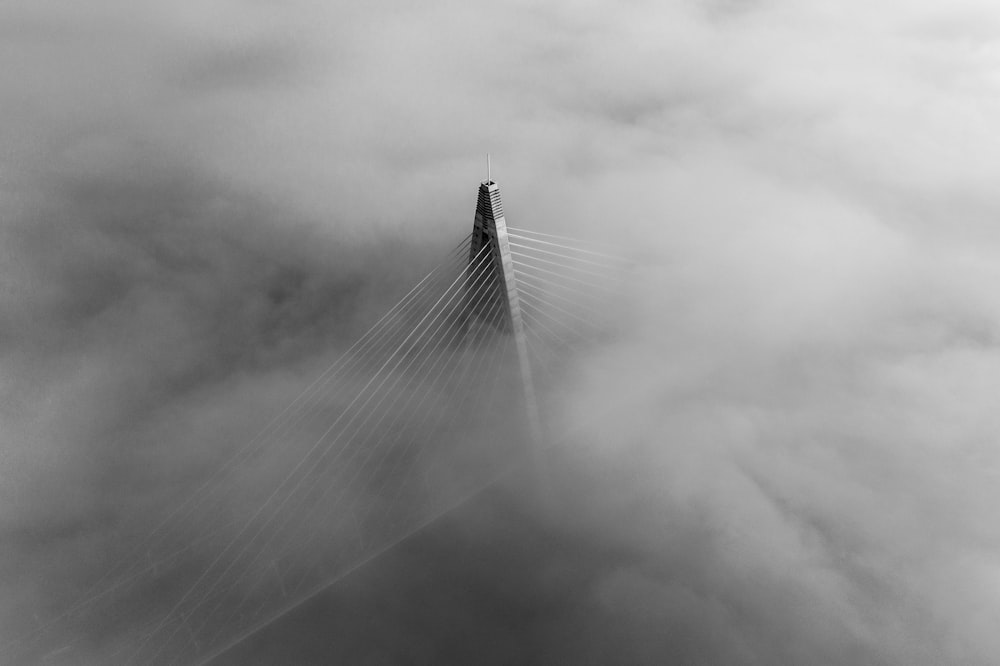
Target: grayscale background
[(791, 453)]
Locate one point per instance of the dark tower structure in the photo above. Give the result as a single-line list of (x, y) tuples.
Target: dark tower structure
[(490, 229)]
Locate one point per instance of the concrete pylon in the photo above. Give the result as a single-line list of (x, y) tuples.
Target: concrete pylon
[(490, 228)]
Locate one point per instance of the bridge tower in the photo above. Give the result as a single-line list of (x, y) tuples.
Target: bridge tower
[(490, 229)]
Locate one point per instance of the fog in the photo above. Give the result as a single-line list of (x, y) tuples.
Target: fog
[(787, 452)]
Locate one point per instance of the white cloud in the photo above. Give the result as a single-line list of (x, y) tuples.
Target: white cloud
[(812, 359)]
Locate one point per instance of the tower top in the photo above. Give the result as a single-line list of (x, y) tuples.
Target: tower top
[(489, 204)]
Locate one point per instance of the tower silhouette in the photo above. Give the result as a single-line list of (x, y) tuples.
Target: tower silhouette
[(490, 230)]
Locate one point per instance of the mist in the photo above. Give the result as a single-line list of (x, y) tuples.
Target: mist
[(787, 451)]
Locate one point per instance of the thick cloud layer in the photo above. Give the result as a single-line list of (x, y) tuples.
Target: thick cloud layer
[(790, 453)]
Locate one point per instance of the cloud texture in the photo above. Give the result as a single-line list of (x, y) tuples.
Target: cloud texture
[(795, 454)]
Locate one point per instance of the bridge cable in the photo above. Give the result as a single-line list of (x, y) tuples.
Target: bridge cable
[(509, 469), (196, 497), (397, 412), (187, 594), (331, 534)]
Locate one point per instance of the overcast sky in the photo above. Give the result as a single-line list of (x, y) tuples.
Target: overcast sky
[(791, 452)]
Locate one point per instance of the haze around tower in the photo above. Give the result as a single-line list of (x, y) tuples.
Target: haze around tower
[(793, 451)]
